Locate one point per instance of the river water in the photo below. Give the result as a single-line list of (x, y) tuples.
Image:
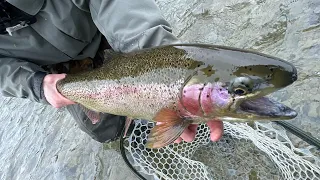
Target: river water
[(40, 142)]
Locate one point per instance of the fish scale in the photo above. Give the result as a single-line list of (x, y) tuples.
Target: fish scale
[(155, 89)]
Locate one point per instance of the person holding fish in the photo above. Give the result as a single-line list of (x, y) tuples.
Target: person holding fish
[(37, 34)]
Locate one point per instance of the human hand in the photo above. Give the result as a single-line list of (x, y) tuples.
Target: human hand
[(51, 93), (216, 131)]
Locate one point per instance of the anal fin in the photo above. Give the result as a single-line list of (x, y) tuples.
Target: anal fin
[(169, 127), (92, 115)]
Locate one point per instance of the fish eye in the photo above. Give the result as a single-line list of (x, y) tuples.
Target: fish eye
[(241, 85), (239, 91)]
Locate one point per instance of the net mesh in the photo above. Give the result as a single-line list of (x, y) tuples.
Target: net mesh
[(246, 151)]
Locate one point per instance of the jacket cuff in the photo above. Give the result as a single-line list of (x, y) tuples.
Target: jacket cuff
[(37, 86)]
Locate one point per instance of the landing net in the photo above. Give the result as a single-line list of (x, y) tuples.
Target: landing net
[(260, 151)]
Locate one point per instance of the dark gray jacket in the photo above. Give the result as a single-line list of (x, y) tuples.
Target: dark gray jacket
[(72, 29)]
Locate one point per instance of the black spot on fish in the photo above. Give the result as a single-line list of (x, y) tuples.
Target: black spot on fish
[(271, 69), (250, 69), (184, 91), (208, 96), (245, 67)]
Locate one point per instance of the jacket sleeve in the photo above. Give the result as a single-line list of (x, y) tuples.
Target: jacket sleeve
[(130, 25), (21, 79)]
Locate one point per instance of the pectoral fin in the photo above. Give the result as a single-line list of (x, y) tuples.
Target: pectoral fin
[(169, 127), (92, 115)]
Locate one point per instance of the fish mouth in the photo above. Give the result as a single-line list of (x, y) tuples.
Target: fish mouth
[(265, 107)]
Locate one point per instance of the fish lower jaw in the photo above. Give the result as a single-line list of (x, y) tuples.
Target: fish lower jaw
[(234, 119), (264, 108)]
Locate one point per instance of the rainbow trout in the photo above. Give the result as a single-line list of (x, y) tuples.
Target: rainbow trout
[(177, 85)]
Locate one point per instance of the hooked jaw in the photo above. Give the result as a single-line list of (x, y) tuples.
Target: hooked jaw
[(257, 108), (266, 108)]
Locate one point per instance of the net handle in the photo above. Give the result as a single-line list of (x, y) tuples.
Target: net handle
[(123, 154), (300, 133)]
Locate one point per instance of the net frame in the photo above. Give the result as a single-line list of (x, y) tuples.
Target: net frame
[(179, 161)]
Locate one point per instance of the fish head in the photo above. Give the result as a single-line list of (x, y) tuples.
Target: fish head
[(239, 86), (245, 97)]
